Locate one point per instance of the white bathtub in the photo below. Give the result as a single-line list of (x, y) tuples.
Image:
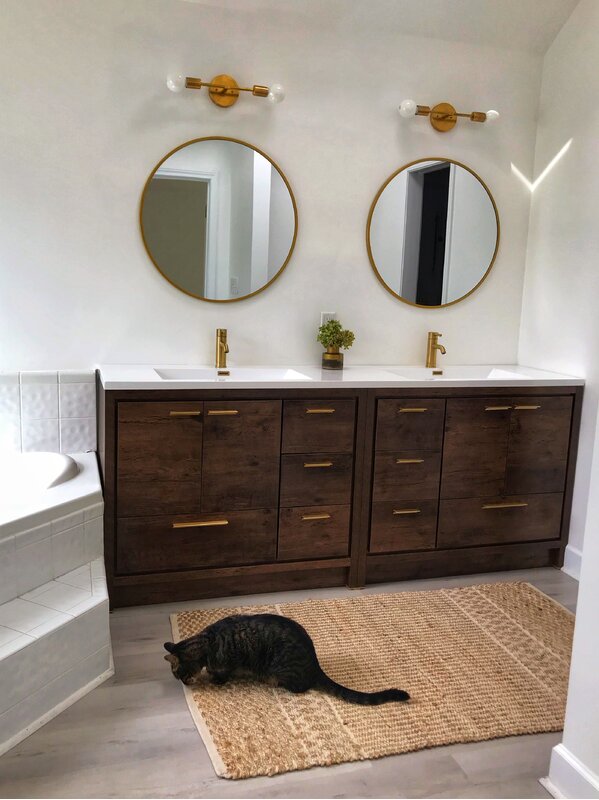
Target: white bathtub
[(54, 629)]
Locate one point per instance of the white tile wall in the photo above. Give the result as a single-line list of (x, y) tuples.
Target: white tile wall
[(51, 411)]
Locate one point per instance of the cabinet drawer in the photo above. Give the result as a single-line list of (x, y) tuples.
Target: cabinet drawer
[(410, 424), (320, 425), (242, 441), (403, 526), (499, 520), (313, 532), (538, 445), (159, 457), (153, 544), (406, 475), (316, 479)]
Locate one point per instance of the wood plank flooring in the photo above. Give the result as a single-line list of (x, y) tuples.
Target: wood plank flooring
[(133, 736)]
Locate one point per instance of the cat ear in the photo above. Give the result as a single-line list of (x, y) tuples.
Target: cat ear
[(172, 659), (170, 646)]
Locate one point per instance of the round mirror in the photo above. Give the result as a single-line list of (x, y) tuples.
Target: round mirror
[(432, 232), (218, 219)]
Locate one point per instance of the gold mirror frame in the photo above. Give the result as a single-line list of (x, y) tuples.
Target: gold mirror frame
[(371, 212), (293, 203)]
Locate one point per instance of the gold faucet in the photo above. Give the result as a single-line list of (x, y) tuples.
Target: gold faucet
[(431, 349), (222, 348)]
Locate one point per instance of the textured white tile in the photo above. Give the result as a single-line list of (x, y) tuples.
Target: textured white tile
[(7, 635), (39, 401), (80, 578), (68, 521), (39, 590), (21, 641), (39, 377), (9, 378), (98, 569), (68, 550), (8, 575), (94, 538), (23, 615), (10, 400), (40, 435), (34, 565), (38, 534), (77, 435), (85, 605), (50, 625), (94, 511), (99, 588), (77, 376), (10, 433), (77, 400)]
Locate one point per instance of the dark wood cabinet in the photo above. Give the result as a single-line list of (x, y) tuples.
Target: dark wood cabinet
[(237, 491)]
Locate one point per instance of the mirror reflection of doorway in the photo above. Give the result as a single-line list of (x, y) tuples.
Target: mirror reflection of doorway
[(427, 200), (176, 218)]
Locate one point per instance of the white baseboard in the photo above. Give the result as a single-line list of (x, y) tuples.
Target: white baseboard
[(572, 561), (569, 777), (54, 712)]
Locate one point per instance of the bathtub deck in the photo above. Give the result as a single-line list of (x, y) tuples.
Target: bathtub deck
[(133, 736)]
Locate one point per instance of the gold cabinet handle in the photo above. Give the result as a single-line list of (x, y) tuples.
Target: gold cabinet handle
[(201, 523), (311, 464), (223, 413), (526, 408), (308, 517), (497, 408), (184, 413), (409, 460), (320, 411), (401, 511), (412, 410), (487, 506)]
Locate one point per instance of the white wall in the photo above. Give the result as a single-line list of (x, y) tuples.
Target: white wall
[(86, 116), (560, 331)]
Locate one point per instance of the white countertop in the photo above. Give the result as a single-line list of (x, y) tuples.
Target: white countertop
[(125, 377)]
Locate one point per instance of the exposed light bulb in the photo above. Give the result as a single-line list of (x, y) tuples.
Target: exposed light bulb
[(276, 93), (492, 116), (408, 108), (176, 83)]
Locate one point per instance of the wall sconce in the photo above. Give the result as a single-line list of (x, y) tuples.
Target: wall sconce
[(443, 116), (224, 90)]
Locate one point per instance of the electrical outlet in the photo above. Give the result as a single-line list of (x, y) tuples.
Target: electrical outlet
[(326, 316)]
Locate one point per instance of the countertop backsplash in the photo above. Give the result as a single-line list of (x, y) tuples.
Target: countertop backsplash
[(51, 411)]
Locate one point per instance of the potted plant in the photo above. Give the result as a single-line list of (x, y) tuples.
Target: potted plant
[(332, 336)]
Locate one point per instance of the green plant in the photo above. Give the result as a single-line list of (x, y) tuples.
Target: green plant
[(331, 334)]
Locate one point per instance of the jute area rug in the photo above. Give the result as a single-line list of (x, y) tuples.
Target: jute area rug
[(479, 662)]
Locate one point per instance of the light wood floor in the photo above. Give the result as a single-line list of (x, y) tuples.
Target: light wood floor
[(133, 736)]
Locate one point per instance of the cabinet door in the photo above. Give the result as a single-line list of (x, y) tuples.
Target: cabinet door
[(538, 446), (475, 447), (159, 458), (242, 443)]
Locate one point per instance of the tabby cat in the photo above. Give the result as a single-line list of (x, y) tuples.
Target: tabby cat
[(267, 647)]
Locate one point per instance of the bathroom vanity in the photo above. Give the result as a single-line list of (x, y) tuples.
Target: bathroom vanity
[(274, 479)]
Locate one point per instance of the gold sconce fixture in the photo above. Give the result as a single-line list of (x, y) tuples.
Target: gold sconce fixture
[(224, 90), (443, 116)]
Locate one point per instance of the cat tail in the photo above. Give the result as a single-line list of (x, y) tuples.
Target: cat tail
[(361, 698)]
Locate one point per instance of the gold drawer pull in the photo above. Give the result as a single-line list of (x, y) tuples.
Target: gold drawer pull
[(201, 523), (409, 460), (412, 410), (402, 511), (311, 464), (497, 408), (308, 517), (504, 505), (320, 411), (184, 413), (526, 408), (223, 413)]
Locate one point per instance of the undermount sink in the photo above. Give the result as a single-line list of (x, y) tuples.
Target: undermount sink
[(249, 374), (463, 373)]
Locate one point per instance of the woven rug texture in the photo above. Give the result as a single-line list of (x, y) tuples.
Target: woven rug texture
[(479, 662)]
